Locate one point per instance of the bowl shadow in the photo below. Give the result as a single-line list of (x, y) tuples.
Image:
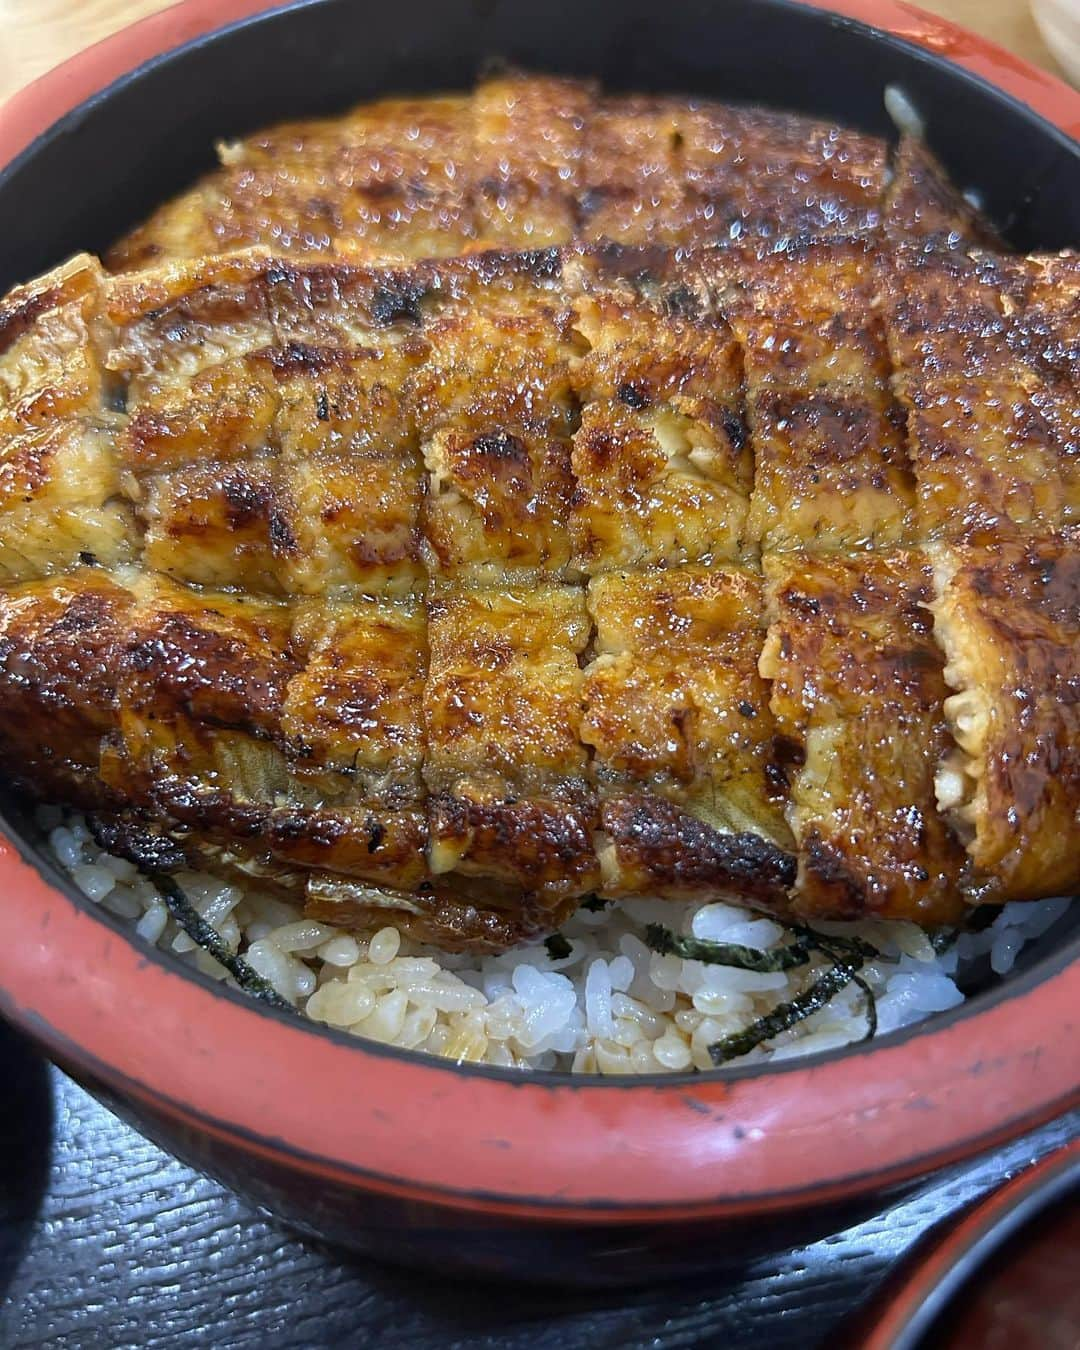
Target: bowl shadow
[(27, 1121)]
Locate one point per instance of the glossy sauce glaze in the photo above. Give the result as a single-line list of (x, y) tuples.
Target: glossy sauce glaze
[(463, 589)]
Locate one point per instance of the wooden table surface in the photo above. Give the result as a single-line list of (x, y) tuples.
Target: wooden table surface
[(37, 34)]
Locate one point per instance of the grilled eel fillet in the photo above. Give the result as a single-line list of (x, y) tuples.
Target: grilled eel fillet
[(528, 162), (464, 589)]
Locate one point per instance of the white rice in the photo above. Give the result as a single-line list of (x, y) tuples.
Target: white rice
[(610, 1006), (906, 117)]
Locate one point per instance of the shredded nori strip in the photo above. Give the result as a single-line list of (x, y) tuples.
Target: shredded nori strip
[(870, 1004), (849, 951), (207, 937), (593, 904), (831, 943), (783, 1016), (557, 946), (667, 943), (943, 939), (847, 954)]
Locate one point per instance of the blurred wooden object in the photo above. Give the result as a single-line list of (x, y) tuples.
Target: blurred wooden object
[(38, 34), (1006, 22)]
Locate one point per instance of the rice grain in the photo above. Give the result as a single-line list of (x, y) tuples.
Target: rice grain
[(612, 1006)]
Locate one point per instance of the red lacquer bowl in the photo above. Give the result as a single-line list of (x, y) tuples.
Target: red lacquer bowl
[(392, 1151)]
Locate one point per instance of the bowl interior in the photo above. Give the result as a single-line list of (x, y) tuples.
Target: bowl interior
[(1041, 957), (110, 161), (105, 165)]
